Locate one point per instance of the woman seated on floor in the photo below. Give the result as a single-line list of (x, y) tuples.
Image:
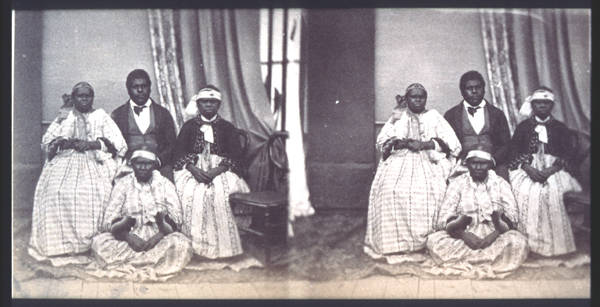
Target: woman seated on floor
[(542, 151), (418, 150), (477, 220), (207, 165), (141, 224), (75, 183)]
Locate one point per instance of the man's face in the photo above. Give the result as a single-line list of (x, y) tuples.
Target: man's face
[(208, 107), (478, 168), (473, 92), (139, 90), (83, 98), (143, 168)]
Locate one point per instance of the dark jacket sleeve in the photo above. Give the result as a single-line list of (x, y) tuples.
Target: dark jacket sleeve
[(563, 144), (168, 137), (518, 146), (450, 117), (117, 117), (183, 145), (501, 135), (232, 148)]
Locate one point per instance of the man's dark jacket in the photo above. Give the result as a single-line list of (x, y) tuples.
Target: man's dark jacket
[(163, 124), (499, 132)]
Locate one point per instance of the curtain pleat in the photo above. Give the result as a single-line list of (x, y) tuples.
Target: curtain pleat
[(193, 48), (165, 56), (502, 80), (525, 49)]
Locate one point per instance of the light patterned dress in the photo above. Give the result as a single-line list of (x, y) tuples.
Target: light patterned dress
[(478, 200), (142, 201), (409, 186), (208, 217), (74, 187), (543, 215)]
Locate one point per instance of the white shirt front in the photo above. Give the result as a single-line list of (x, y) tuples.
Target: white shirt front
[(477, 120), (143, 119)]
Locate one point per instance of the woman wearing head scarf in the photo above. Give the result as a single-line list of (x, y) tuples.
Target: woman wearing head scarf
[(418, 149), (76, 180), (140, 237), (542, 151), (207, 164)]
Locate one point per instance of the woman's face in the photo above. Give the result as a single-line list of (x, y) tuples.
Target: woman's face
[(142, 168), (542, 108), (83, 98), (478, 168), (208, 107), (416, 100)]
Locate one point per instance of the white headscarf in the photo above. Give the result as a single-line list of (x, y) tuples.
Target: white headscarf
[(191, 110), (539, 94), (525, 110)]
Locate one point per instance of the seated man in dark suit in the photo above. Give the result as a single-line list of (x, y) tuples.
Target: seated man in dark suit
[(144, 123), (477, 122)]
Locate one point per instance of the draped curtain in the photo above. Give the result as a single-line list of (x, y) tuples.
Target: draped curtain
[(525, 49), (193, 48)]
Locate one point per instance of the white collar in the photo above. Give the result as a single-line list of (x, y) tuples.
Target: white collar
[(467, 105), (539, 120), (208, 120), (133, 104)]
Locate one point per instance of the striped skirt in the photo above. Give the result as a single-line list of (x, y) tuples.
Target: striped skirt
[(405, 194), (69, 201), (207, 217), (542, 214)]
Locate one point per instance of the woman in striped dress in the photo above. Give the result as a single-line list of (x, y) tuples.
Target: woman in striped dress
[(418, 151), (543, 150), (75, 183), (207, 169)]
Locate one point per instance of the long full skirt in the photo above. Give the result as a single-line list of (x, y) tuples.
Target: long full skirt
[(405, 194), (207, 216), (506, 254), (117, 259), (542, 214), (69, 201)]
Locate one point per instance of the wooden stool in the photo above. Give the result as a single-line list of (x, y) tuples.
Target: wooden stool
[(269, 214)]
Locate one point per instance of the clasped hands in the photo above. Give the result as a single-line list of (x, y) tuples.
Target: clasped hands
[(77, 144), (541, 175), (205, 176), (121, 230), (408, 143), (458, 231)]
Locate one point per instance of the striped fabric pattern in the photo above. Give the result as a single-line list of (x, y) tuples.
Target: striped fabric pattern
[(74, 187), (141, 201), (478, 200), (542, 210), (207, 216), (408, 187)]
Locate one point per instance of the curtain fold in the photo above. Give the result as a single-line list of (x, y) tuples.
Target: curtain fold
[(528, 48), (193, 48), (500, 64), (165, 55)]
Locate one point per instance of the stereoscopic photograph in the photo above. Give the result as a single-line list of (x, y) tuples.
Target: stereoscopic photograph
[(301, 153)]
